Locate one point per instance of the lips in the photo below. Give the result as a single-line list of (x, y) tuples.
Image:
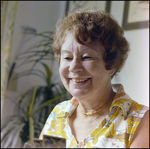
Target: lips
[(80, 80)]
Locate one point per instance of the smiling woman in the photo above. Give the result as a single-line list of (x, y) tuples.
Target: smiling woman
[(80, 73), (91, 48)]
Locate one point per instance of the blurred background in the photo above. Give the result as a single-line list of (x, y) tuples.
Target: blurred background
[(30, 82)]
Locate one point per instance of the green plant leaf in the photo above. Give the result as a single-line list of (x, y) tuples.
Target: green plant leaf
[(32, 101), (31, 129), (17, 135), (46, 103), (10, 130), (34, 105), (48, 73), (35, 72)]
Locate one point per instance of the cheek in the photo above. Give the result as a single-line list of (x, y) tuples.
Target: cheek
[(98, 71), (63, 71), (63, 75), (92, 67)]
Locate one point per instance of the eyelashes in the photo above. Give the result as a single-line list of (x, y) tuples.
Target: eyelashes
[(86, 57), (83, 58), (68, 58)]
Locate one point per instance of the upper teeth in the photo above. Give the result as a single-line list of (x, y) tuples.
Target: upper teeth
[(79, 80)]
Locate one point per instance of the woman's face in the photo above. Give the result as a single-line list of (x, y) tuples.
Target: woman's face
[(82, 69)]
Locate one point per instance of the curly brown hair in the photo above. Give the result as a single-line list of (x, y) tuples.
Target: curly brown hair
[(89, 26)]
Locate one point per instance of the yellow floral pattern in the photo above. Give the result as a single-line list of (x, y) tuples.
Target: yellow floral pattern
[(116, 130)]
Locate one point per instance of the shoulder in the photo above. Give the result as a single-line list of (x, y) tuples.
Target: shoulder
[(141, 136), (138, 125), (136, 110)]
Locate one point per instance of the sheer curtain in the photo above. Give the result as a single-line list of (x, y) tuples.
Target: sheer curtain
[(8, 9)]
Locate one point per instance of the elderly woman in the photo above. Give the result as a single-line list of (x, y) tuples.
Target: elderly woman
[(91, 49)]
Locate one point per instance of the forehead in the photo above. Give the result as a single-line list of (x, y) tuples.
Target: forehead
[(70, 44)]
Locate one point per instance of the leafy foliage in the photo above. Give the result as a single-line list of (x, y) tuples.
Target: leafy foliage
[(34, 105)]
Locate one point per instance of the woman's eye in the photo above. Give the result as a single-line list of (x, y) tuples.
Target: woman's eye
[(68, 58), (86, 57)]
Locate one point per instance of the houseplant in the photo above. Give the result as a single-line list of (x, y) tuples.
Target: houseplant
[(34, 105)]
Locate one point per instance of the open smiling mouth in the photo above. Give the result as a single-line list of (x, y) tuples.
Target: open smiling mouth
[(80, 80)]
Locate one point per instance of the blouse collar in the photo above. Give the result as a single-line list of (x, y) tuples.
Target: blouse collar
[(121, 100)]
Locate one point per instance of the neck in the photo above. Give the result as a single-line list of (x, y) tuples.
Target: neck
[(96, 103)]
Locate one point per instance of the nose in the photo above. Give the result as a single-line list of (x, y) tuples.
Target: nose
[(76, 66)]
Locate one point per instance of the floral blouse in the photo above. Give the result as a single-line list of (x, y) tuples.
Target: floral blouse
[(115, 131)]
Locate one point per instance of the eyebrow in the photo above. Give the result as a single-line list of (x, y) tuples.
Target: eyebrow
[(89, 49), (64, 51), (82, 51)]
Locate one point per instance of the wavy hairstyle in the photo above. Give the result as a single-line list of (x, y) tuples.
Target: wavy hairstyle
[(89, 26)]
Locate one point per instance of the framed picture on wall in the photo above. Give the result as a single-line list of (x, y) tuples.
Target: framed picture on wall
[(136, 15), (100, 5)]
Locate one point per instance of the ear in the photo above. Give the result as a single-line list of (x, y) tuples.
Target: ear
[(112, 71)]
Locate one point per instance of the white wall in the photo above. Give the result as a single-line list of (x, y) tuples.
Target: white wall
[(39, 15), (135, 75)]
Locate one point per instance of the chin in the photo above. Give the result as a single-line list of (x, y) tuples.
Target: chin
[(78, 93)]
